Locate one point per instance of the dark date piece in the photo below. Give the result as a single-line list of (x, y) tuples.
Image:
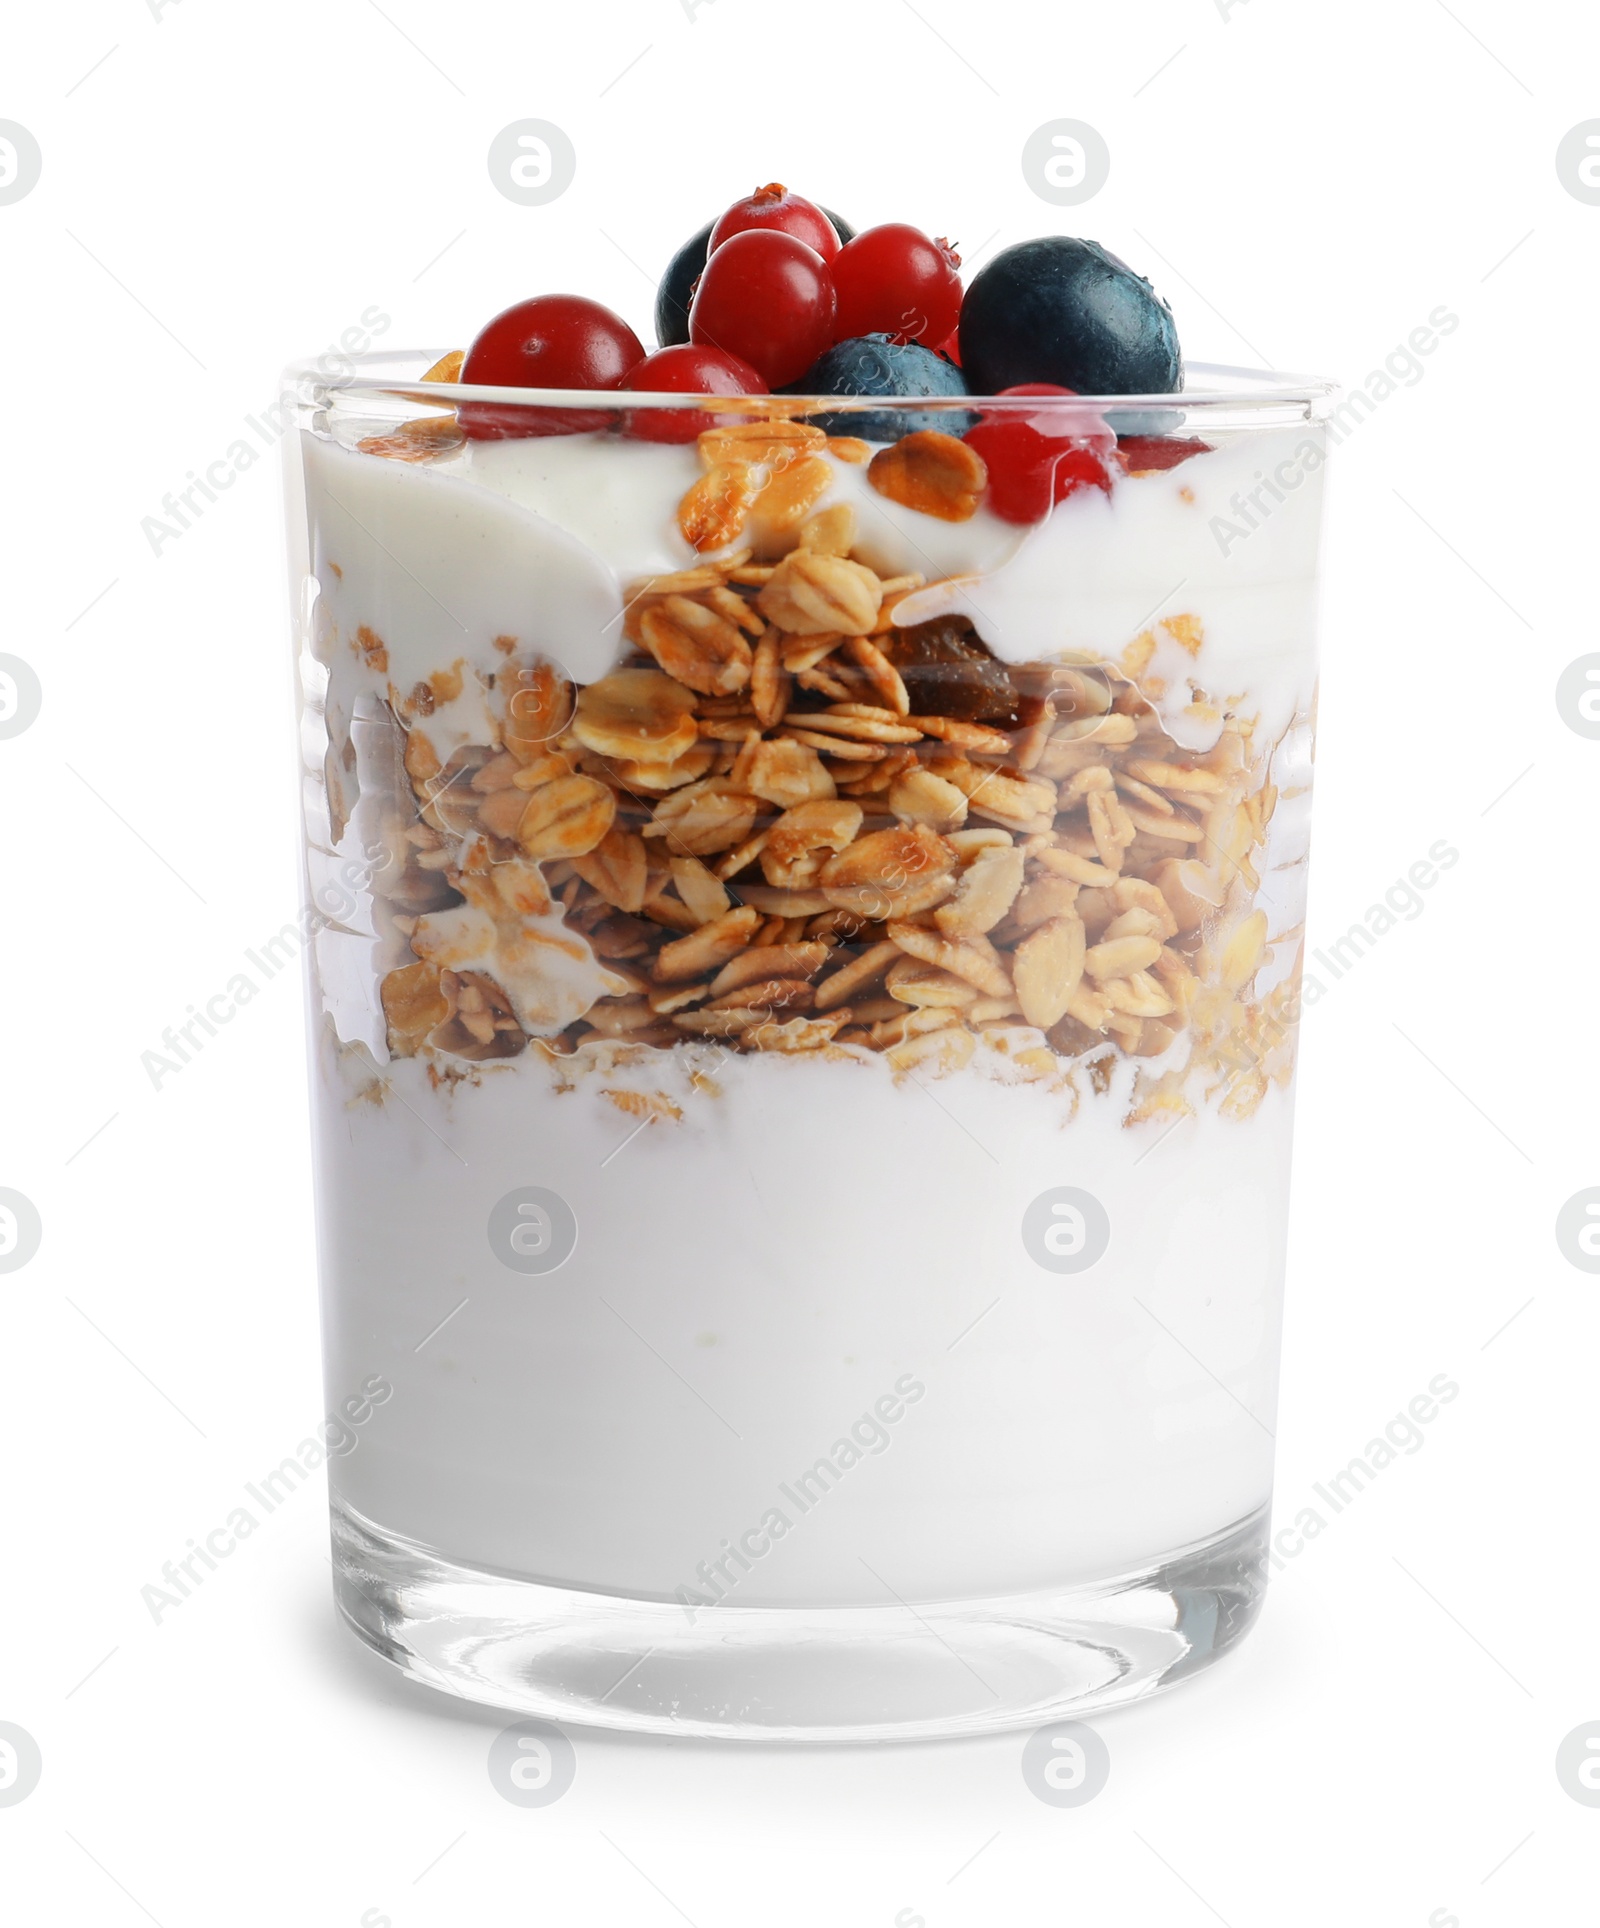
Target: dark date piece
[(948, 672)]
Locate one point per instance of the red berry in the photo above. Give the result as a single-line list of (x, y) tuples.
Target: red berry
[(775, 207), (767, 298), (893, 280), (552, 341), (1139, 454), (689, 369), (1038, 459)]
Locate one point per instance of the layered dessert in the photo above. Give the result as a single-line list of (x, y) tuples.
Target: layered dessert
[(800, 828)]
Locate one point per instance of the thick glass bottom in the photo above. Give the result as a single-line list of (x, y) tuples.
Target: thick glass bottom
[(903, 1671)]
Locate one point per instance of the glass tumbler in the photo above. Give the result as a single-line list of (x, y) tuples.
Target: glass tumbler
[(804, 915)]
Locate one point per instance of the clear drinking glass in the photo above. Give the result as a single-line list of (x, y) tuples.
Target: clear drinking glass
[(802, 1140)]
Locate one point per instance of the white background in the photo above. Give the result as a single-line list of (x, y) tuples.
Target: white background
[(227, 185)]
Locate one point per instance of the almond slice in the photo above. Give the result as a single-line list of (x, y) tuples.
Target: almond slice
[(921, 797), (1121, 957), (987, 890), (1048, 968)]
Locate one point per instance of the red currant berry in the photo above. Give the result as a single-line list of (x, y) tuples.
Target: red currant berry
[(689, 369), (552, 341), (1038, 459), (1139, 454), (893, 280), (775, 207), (767, 298)]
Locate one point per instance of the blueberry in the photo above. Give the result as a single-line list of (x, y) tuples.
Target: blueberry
[(880, 365), (677, 286), (1066, 311), (683, 271)]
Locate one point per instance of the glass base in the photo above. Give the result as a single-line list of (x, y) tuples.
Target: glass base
[(892, 1673)]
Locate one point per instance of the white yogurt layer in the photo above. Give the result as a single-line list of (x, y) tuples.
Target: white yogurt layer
[(750, 1281), (537, 540)]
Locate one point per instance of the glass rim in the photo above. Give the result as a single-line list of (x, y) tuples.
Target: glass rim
[(393, 376)]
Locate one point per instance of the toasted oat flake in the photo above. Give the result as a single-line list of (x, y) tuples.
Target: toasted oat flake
[(706, 949), (638, 714), (696, 645), (844, 748), (713, 510), (810, 593), (967, 957), (933, 473), (566, 818), (843, 984), (769, 685), (963, 736), (882, 675)]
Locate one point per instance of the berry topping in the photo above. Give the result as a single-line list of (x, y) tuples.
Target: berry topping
[(775, 207), (1038, 459), (552, 341), (676, 293), (1066, 311), (893, 280), (690, 370), (1144, 454), (767, 298), (879, 365)]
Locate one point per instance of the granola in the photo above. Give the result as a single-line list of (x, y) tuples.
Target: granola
[(787, 822)]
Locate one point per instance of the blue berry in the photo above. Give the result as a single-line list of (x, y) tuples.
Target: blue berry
[(880, 365), (676, 291), (677, 287), (1067, 311)]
